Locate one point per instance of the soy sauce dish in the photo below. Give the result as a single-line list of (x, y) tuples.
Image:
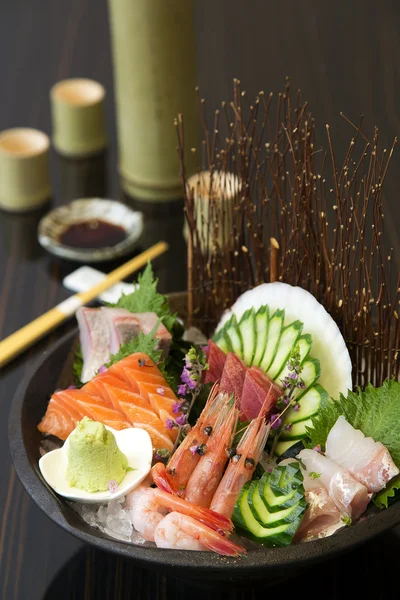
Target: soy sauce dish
[(90, 230)]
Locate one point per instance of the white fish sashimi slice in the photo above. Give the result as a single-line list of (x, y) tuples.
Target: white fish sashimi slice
[(123, 325), (94, 339), (328, 344), (350, 496), (322, 517), (368, 461)]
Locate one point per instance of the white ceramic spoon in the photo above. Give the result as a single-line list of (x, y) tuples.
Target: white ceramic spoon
[(134, 442)]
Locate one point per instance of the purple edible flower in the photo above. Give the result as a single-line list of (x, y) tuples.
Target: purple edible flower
[(193, 449), (186, 378), (181, 420), (301, 384), (182, 389), (296, 407), (276, 422), (205, 349), (112, 486), (103, 369), (317, 448), (288, 427), (286, 400), (176, 407), (292, 375), (169, 423)]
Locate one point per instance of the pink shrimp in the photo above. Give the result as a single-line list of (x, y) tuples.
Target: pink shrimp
[(174, 478), (150, 505), (183, 532), (206, 477), (241, 467)]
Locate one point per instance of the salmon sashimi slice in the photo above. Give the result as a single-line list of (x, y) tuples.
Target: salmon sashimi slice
[(136, 410), (94, 407), (57, 420), (97, 386), (160, 403), (159, 441)]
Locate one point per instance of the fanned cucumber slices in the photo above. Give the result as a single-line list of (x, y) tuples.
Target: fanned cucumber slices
[(266, 324)]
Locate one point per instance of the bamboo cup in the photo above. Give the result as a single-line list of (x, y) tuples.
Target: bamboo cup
[(24, 169), (25, 337), (78, 117), (214, 196)]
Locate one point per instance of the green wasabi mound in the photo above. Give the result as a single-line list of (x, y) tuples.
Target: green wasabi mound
[(94, 459)]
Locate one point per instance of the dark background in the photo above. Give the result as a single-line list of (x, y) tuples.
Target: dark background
[(344, 55)]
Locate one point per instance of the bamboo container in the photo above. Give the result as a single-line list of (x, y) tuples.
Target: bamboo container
[(155, 78)]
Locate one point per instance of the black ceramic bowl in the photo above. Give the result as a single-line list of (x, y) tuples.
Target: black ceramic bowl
[(27, 409)]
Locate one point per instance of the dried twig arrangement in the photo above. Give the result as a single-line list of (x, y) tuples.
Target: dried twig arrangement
[(276, 206)]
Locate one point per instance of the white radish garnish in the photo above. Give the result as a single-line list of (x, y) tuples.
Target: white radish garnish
[(328, 344)]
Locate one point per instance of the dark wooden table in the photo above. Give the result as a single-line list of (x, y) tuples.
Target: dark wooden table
[(344, 56)]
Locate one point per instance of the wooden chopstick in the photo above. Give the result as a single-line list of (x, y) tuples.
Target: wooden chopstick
[(22, 339)]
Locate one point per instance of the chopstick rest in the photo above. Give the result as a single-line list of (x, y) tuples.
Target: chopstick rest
[(86, 277)]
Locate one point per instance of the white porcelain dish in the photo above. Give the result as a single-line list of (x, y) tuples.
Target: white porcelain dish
[(134, 442), (57, 221)]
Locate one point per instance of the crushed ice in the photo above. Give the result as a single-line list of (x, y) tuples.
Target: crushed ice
[(113, 518)]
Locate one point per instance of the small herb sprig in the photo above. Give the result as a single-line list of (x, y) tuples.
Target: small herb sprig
[(291, 383), (188, 390)]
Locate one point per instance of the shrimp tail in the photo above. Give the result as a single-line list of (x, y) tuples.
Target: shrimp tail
[(209, 517), (211, 539), (163, 479)]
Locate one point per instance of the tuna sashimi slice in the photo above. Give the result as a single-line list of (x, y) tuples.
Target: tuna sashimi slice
[(233, 376), (216, 361), (257, 386)]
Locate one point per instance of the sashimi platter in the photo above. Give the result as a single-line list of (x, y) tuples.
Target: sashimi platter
[(252, 436), (257, 422)]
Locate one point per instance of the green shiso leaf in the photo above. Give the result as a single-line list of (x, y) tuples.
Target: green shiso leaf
[(147, 299), (389, 494), (375, 411), (147, 344), (77, 367)]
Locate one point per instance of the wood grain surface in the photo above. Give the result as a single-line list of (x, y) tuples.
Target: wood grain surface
[(345, 56)]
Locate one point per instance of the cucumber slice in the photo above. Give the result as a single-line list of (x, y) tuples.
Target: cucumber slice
[(272, 495), (247, 328), (222, 341), (244, 519), (287, 342), (297, 432), (309, 404), (276, 526), (274, 334), (304, 344), (283, 446), (264, 516), (311, 371), (262, 325), (234, 337)]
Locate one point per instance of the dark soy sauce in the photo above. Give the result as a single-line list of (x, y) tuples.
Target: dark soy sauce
[(92, 234)]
